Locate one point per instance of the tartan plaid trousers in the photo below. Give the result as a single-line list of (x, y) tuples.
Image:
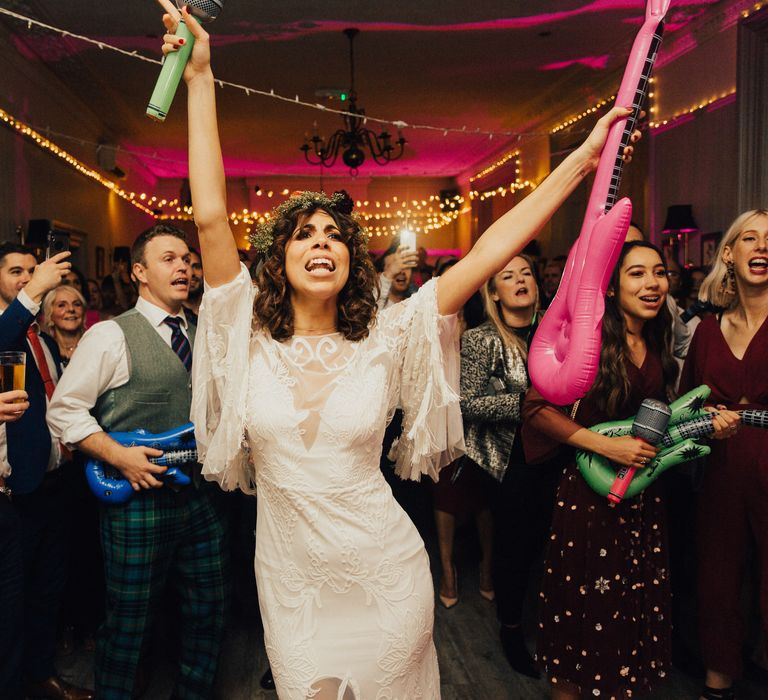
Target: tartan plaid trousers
[(161, 538)]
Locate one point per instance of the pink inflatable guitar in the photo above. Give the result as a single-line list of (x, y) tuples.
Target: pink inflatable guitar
[(565, 352)]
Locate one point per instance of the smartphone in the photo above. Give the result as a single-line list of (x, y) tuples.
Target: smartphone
[(408, 239), (58, 242)]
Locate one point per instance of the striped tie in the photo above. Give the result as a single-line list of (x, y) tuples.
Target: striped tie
[(179, 342)]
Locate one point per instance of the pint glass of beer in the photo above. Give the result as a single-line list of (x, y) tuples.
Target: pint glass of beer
[(12, 370)]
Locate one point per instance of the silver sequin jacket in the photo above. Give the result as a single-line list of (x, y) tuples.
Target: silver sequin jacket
[(493, 383)]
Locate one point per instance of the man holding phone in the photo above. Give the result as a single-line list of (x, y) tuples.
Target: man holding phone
[(38, 508), (58, 242)]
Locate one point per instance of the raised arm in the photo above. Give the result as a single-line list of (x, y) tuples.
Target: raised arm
[(507, 236), (206, 169)]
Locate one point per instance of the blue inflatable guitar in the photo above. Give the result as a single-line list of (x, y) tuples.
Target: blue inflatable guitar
[(178, 446)]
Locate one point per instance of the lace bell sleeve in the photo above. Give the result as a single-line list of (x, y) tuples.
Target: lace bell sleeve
[(425, 385), (220, 368)]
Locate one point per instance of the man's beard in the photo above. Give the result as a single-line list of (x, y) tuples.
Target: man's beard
[(195, 294)]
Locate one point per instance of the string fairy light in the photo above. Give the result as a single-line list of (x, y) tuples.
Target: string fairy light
[(654, 123), (517, 185), (704, 103), (45, 144), (429, 213), (375, 224), (272, 94), (377, 228), (578, 117), (495, 166), (756, 7), (436, 222), (419, 209), (553, 130), (698, 106), (501, 190)]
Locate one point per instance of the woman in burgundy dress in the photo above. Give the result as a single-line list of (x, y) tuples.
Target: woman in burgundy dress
[(605, 601), (729, 353)]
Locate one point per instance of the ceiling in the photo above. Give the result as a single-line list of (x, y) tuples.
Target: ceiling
[(495, 65)]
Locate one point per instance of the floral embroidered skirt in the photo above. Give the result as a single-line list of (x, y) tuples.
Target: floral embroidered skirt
[(605, 617)]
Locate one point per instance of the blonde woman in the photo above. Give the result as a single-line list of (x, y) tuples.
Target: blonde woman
[(728, 353), (64, 318), (494, 379)]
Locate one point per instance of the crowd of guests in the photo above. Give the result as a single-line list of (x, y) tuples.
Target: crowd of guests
[(88, 301), (58, 566), (606, 610), (606, 606)]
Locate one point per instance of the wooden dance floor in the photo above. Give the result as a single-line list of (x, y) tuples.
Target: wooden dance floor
[(472, 666)]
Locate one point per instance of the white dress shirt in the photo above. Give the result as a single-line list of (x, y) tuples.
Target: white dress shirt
[(99, 363)]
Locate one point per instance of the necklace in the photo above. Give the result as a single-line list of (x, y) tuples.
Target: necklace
[(68, 347), (314, 331)]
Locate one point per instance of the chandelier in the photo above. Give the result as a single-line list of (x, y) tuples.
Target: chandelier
[(354, 136)]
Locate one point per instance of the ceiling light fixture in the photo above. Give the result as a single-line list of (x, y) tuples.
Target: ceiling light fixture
[(354, 137)]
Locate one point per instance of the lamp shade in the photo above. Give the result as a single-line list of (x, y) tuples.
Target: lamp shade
[(680, 218)]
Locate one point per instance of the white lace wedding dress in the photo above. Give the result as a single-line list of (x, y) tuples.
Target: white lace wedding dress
[(344, 584)]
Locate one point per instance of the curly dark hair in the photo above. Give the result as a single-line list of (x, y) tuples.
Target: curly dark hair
[(356, 302), (612, 388)]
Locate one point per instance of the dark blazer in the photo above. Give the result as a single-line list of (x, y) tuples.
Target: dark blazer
[(29, 441)]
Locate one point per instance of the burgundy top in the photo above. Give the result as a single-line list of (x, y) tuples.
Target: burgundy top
[(711, 362), (545, 426)]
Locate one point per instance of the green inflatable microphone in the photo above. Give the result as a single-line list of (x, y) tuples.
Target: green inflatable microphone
[(174, 63)]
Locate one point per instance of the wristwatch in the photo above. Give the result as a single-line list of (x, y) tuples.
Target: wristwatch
[(5, 491)]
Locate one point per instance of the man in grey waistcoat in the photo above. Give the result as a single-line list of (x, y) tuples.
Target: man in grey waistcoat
[(128, 373)]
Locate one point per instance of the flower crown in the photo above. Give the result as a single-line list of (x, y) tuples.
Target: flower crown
[(263, 235)]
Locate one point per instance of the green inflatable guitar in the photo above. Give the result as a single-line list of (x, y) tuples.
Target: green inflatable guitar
[(687, 420)]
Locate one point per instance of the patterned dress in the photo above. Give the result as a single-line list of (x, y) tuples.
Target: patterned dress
[(605, 601), (344, 584)]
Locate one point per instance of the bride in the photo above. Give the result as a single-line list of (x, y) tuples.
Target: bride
[(294, 382)]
